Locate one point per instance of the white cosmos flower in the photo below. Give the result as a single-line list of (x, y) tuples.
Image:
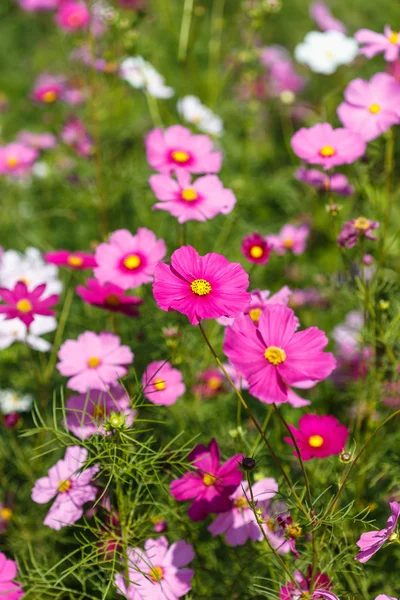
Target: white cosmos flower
[(14, 330), (11, 401), (193, 111), (142, 75), (325, 51), (29, 267)]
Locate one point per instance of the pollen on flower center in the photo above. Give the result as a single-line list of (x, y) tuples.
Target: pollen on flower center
[(99, 411), (374, 109), (214, 383), (12, 161), (241, 502), (49, 96), (180, 157), (75, 261), (160, 384), (394, 37), (24, 305), (6, 514), (275, 355), (255, 314), (256, 252), (156, 573), (393, 537), (189, 194), (327, 151), (200, 287), (93, 362), (315, 441), (64, 486), (288, 243), (112, 300), (362, 223), (209, 479), (132, 262)]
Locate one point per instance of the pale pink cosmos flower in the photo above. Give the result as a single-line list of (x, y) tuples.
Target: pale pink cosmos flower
[(178, 147), (162, 384), (274, 356), (371, 107), (24, 304), (201, 287), (336, 183), (323, 145), (239, 523), (16, 159), (318, 436), (323, 17), (384, 597), (74, 134), (72, 16), (93, 361), (355, 229), (38, 5), (129, 260), (71, 486), (9, 589), (199, 200), (281, 72), (388, 43), (290, 238), (39, 141), (156, 572), (109, 297), (370, 542), (259, 300)]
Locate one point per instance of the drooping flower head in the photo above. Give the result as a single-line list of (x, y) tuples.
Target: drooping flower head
[(256, 248), (94, 362), (290, 238), (355, 229), (70, 484), (109, 297), (72, 16), (162, 384), (73, 260), (178, 147), (210, 484), (9, 589), (325, 52), (337, 183), (318, 437), (370, 542), (199, 200), (129, 260), (323, 17), (201, 287), (23, 304), (374, 43), (16, 159)]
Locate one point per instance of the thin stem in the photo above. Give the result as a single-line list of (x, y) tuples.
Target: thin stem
[(185, 30), (153, 110), (264, 427), (59, 333)]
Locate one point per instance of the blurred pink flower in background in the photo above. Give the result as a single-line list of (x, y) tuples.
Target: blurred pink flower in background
[(321, 582), (336, 183), (355, 229), (109, 297), (374, 43), (74, 134), (72, 16), (290, 238), (17, 159), (49, 88), (259, 300), (38, 5), (318, 436), (74, 260), (256, 248), (39, 141), (162, 384), (323, 17), (281, 72), (211, 382)]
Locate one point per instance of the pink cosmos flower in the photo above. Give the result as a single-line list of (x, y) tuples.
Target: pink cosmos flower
[(22, 304), (307, 297), (384, 597), (323, 17), (87, 414), (370, 542), (94, 361), (6, 514), (211, 383), (156, 572), (239, 523), (282, 76), (336, 183), (74, 260), (177, 147), (256, 248), (355, 229), (49, 88), (322, 583), (371, 107), (72, 16), (9, 589), (16, 159), (129, 260), (38, 5), (290, 238), (71, 486), (39, 141), (274, 356), (259, 300), (210, 484), (109, 297), (200, 200), (323, 145), (162, 384), (388, 43), (318, 437), (74, 134), (201, 287)]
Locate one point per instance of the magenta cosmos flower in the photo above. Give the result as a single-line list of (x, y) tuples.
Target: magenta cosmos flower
[(39, 141), (274, 356), (199, 200), (74, 260), (87, 414), (178, 147), (94, 361), (129, 260), (49, 88), (387, 43), (322, 584), (256, 248), (371, 107), (336, 183), (9, 589), (318, 437), (355, 229), (201, 287), (290, 238), (16, 159), (370, 542), (72, 16), (239, 523), (71, 486), (162, 384), (109, 297), (156, 572), (22, 304), (211, 383), (323, 145), (210, 484)]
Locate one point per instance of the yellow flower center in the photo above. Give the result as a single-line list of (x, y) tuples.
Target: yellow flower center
[(255, 314), (49, 97), (180, 157), (327, 151), (394, 37), (132, 261), (241, 502), (275, 355), (75, 261), (112, 300), (374, 109), (64, 486), (271, 525), (315, 441), (93, 362), (156, 573), (288, 243), (209, 479), (200, 287), (256, 252), (24, 305), (189, 194), (99, 411), (214, 383), (393, 537), (293, 531), (6, 514), (12, 161), (362, 223), (160, 384)]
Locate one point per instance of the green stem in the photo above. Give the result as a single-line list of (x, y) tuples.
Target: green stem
[(59, 333), (185, 30)]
